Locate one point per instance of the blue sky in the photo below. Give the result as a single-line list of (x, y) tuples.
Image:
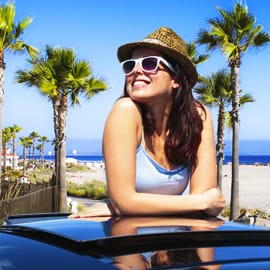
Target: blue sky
[(95, 29)]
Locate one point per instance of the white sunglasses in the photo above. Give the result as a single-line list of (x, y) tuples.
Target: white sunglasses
[(148, 64)]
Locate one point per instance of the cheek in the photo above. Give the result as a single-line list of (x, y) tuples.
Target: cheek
[(127, 86), (167, 83)]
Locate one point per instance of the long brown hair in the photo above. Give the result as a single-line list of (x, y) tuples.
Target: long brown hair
[(184, 125)]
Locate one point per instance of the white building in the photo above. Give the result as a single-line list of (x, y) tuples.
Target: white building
[(9, 158)]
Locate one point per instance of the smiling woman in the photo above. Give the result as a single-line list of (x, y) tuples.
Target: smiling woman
[(158, 141)]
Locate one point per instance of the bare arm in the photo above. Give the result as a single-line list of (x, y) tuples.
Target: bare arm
[(204, 177), (122, 135)]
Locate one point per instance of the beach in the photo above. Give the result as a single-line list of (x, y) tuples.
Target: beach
[(82, 177), (254, 184)]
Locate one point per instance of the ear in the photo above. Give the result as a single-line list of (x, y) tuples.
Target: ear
[(175, 84)]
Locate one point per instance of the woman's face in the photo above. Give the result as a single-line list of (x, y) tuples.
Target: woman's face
[(147, 87)]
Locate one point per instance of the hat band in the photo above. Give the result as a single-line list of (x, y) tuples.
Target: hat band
[(154, 41)]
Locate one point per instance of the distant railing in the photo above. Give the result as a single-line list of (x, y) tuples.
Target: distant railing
[(31, 198)]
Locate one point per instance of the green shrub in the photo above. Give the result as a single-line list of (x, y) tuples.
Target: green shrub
[(71, 167), (94, 190), (76, 192), (14, 175), (225, 212)]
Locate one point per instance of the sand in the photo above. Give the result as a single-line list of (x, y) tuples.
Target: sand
[(254, 184), (82, 177)]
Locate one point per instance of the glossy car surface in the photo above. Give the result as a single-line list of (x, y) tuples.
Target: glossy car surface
[(51, 241)]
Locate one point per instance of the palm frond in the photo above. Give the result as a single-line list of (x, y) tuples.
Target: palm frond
[(22, 25), (234, 31)]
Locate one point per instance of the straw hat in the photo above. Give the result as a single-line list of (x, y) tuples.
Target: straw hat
[(167, 42)]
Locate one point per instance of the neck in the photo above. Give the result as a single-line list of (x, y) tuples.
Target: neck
[(160, 114)]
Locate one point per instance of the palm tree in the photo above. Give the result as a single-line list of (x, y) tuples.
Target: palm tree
[(41, 146), (40, 149), (14, 130), (10, 40), (61, 78), (33, 135), (233, 33), (29, 147), (215, 90), (6, 137), (26, 143)]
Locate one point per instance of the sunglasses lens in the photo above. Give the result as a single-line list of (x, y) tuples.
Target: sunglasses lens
[(128, 66), (150, 64)]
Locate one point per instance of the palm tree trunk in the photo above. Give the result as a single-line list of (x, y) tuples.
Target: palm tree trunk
[(56, 151), (62, 177), (14, 152), (60, 158), (42, 156), (60, 115), (2, 69), (220, 144), (24, 159), (219, 172), (4, 159), (234, 207), (62, 154)]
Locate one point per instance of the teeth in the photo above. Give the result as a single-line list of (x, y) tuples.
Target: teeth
[(139, 83)]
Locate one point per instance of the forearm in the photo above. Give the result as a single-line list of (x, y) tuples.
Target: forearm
[(155, 204)]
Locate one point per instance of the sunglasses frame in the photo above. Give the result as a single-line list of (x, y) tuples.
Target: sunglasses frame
[(140, 60)]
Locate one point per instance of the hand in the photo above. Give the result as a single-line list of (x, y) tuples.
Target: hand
[(216, 201), (100, 209)]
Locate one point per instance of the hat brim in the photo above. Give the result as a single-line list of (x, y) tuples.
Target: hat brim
[(125, 51)]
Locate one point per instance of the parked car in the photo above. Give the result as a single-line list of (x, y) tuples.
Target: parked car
[(50, 241)]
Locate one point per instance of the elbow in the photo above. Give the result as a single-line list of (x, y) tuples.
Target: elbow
[(121, 210), (124, 206)]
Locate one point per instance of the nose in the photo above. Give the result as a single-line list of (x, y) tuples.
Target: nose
[(137, 68)]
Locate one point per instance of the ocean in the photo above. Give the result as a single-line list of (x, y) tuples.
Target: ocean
[(90, 150), (249, 160), (243, 159)]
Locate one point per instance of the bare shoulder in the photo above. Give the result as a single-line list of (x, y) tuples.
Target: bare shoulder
[(123, 124), (126, 107), (125, 116), (204, 112), (126, 102)]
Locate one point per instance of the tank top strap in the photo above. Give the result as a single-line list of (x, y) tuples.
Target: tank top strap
[(142, 139), (141, 144)]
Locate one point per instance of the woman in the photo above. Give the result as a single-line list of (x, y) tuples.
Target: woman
[(158, 140)]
